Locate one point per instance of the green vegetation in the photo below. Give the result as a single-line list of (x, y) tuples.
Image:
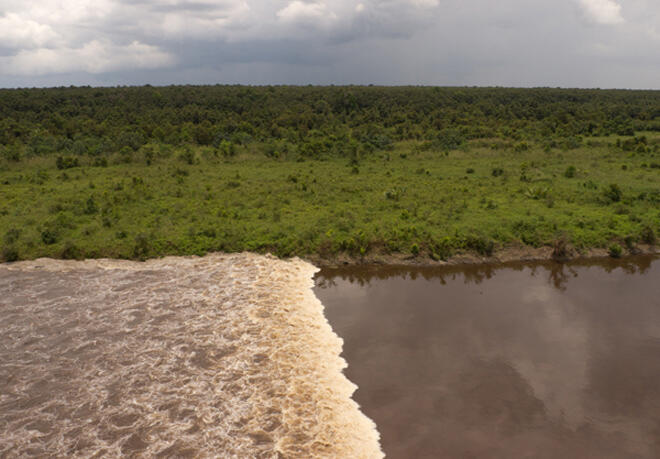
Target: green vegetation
[(429, 172)]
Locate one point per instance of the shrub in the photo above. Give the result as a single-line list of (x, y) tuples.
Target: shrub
[(449, 139), (49, 236), (630, 242), (394, 194), (570, 172), (442, 250), (521, 146), (415, 249), (11, 154), (100, 162), (613, 193), (560, 248), (483, 246), (90, 206), (188, 156), (647, 235), (615, 251), (71, 251), (9, 253), (142, 246), (66, 162), (126, 155), (12, 235), (536, 193)]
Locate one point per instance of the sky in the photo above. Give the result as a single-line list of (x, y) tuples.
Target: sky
[(557, 43)]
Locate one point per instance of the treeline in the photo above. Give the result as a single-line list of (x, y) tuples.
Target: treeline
[(310, 122)]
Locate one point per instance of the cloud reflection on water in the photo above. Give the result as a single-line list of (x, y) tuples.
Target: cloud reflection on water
[(546, 359)]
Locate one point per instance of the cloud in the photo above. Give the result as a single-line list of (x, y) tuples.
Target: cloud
[(297, 11), (18, 32), (448, 42), (425, 3), (93, 57), (602, 11), (177, 19)]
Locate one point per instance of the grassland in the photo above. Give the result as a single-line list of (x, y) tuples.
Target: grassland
[(411, 200)]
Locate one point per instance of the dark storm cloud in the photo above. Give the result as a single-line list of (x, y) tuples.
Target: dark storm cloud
[(593, 43)]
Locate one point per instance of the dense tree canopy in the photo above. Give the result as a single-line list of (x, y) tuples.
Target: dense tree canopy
[(310, 121)]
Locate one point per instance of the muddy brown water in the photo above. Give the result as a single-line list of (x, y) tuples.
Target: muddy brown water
[(519, 361), (224, 356)]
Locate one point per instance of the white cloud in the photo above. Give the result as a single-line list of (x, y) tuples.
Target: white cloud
[(602, 11), (298, 11), (340, 41), (18, 32), (60, 12), (94, 57), (187, 19), (425, 3)]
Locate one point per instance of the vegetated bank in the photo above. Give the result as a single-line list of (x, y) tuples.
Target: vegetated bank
[(331, 174)]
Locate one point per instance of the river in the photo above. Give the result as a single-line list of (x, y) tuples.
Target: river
[(540, 360), (222, 356), (232, 356)]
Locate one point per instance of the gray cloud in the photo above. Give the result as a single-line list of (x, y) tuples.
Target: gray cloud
[(576, 43)]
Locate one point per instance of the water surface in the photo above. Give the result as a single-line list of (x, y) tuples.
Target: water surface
[(222, 356), (539, 361)]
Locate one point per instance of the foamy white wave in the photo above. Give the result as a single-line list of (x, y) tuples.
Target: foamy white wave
[(225, 355)]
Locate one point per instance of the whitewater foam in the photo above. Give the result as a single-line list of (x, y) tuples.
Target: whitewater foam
[(224, 355)]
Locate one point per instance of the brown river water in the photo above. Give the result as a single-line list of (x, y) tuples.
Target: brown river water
[(231, 356), (516, 361), (222, 356)]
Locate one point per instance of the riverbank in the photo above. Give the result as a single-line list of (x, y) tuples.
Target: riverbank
[(474, 203), (508, 255)]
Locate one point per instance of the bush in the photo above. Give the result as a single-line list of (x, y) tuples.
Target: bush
[(188, 156), (12, 235), (613, 193), (90, 206), (126, 155), (71, 252), (100, 162), (11, 154), (570, 172), (615, 251), (49, 236), (560, 248), (483, 246), (142, 246), (66, 162), (9, 253), (520, 147), (394, 194), (449, 139), (647, 235), (442, 250)]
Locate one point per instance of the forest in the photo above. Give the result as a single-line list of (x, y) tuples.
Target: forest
[(425, 172)]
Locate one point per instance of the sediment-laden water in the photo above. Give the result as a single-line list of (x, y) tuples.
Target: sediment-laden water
[(220, 356), (519, 361)]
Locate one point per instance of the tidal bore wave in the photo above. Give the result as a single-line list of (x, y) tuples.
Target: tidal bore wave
[(220, 356)]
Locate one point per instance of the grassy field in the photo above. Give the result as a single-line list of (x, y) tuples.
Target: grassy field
[(486, 196)]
